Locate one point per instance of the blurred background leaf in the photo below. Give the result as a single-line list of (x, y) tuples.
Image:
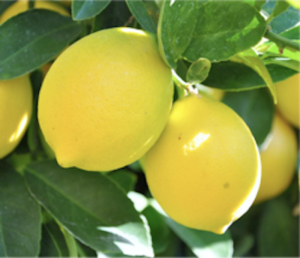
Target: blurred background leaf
[(82, 10)]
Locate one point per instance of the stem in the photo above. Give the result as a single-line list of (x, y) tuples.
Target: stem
[(282, 42), (179, 82), (31, 4)]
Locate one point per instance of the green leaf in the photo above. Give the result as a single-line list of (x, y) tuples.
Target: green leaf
[(160, 232), (124, 178), (53, 243), (278, 230), (256, 3), (203, 243), (291, 33), (199, 70), (294, 55), (256, 108), (91, 207), (4, 5), (232, 76), (71, 242), (251, 59), (82, 10), (225, 28), (31, 39), (285, 62), (243, 245), (20, 216), (175, 28), (294, 3), (280, 7), (139, 11)]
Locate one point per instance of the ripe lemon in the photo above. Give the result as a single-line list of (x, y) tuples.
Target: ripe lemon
[(15, 112), (22, 6), (278, 160), (204, 170), (105, 100), (288, 92)]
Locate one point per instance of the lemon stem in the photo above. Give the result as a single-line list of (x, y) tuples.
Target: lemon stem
[(31, 4), (282, 42)]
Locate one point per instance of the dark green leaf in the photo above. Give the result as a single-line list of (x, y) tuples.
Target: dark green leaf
[(91, 207), (278, 233), (198, 71), (160, 232), (31, 39), (139, 11), (251, 59), (232, 76), (82, 10), (223, 29), (256, 108), (256, 3), (124, 178), (204, 243), (85, 251), (4, 5), (175, 28), (20, 216), (285, 62), (243, 245), (53, 243)]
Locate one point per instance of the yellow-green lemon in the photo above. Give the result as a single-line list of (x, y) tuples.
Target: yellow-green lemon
[(205, 169), (288, 93), (278, 160), (105, 100), (15, 112)]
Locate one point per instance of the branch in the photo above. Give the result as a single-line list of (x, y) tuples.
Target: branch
[(282, 42)]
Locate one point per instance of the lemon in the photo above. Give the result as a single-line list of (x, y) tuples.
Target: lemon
[(105, 100), (205, 169), (278, 160), (22, 6), (214, 93), (15, 112), (288, 94)]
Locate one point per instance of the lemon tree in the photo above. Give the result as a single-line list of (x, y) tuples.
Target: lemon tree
[(149, 128)]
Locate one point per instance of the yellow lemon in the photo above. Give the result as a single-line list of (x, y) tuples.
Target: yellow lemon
[(22, 6), (105, 100), (214, 93), (15, 112), (288, 93), (204, 170), (278, 160)]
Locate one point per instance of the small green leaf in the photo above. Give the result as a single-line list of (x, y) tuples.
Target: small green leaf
[(82, 10), (31, 39), (225, 28), (294, 3), (91, 207), (124, 178), (251, 59), (20, 216), (256, 108), (278, 230), (280, 7), (203, 243), (199, 70), (139, 11), (232, 76), (175, 28)]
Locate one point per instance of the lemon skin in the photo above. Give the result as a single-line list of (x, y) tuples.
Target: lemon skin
[(204, 170), (15, 112), (278, 160), (288, 94), (105, 100)]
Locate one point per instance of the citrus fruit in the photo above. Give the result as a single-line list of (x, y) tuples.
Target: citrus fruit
[(105, 100), (214, 93), (278, 160), (22, 6), (288, 93), (15, 112), (204, 170)]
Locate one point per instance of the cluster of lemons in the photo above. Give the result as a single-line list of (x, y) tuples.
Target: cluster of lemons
[(107, 101)]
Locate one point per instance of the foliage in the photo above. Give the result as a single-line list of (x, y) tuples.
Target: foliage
[(46, 210)]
